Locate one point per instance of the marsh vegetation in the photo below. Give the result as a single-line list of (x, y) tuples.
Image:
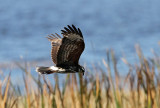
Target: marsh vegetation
[(98, 88)]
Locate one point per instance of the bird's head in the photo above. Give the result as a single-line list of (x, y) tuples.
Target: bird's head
[(81, 69)]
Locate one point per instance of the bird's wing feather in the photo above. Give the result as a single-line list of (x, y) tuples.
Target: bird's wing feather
[(55, 42), (67, 50), (72, 46)]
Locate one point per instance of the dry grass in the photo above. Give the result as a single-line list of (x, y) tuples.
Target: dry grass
[(140, 88)]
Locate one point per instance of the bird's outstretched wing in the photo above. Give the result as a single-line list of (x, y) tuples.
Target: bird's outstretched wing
[(67, 50), (56, 41)]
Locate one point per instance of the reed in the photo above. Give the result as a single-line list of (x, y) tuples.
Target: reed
[(98, 88)]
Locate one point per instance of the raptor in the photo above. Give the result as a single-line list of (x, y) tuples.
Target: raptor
[(65, 52)]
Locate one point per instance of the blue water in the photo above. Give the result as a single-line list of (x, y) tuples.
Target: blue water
[(105, 24)]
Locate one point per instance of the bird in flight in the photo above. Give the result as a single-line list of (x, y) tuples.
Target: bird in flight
[(65, 52)]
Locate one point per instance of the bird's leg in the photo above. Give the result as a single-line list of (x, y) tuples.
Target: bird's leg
[(83, 73)]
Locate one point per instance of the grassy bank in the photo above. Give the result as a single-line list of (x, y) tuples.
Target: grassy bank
[(140, 88)]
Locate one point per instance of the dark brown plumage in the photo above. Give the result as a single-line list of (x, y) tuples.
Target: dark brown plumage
[(67, 50)]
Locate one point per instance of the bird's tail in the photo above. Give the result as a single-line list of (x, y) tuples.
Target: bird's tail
[(47, 70)]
